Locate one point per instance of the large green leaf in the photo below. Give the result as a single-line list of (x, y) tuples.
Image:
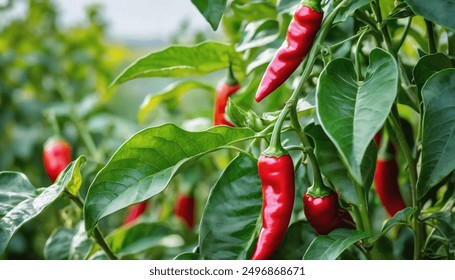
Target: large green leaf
[(212, 10), (144, 165), (439, 11), (333, 168), (351, 111), (182, 61), (329, 247), (428, 65), (232, 212), (170, 94), (438, 130)]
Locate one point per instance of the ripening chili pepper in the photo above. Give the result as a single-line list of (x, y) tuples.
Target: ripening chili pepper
[(135, 211), (277, 177), (184, 209), (324, 213), (386, 179), (229, 87), (56, 156), (299, 39)]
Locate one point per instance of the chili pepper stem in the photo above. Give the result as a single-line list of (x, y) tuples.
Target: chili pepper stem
[(416, 224), (96, 232)]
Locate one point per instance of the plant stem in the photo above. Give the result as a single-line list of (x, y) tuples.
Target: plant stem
[(307, 148), (431, 37), (416, 224), (96, 232), (363, 209), (403, 36), (385, 31)]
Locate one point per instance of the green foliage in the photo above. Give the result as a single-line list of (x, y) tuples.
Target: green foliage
[(381, 67)]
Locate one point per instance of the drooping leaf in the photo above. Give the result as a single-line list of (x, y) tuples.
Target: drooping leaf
[(439, 11), (333, 168), (14, 188), (17, 212), (329, 247), (144, 165), (438, 130), (228, 225), (444, 222), (182, 61), (72, 178), (347, 10), (258, 34), (171, 93), (402, 217), (429, 65), (212, 10), (351, 111)]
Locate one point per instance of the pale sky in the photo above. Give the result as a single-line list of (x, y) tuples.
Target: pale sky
[(137, 19)]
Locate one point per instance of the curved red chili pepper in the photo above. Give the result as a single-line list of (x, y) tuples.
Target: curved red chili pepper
[(386, 176), (229, 87), (277, 177), (386, 184), (56, 157), (299, 39), (135, 211), (324, 213), (184, 209)]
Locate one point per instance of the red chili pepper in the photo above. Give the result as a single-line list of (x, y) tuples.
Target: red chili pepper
[(135, 211), (229, 87), (277, 177), (386, 179), (56, 157), (324, 213), (299, 39), (184, 209)]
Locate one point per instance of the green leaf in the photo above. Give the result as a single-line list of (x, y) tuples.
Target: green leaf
[(402, 217), (232, 212), (58, 244), (297, 240), (259, 34), (444, 222), (183, 61), (329, 247), (350, 111), (72, 178), (170, 94), (212, 10), (438, 130), (68, 244), (32, 203), (429, 65), (144, 165), (439, 11), (284, 5), (139, 237), (348, 9), (26, 209), (188, 257), (14, 188), (332, 166)]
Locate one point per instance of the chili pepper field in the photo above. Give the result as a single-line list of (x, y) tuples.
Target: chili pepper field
[(284, 130)]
